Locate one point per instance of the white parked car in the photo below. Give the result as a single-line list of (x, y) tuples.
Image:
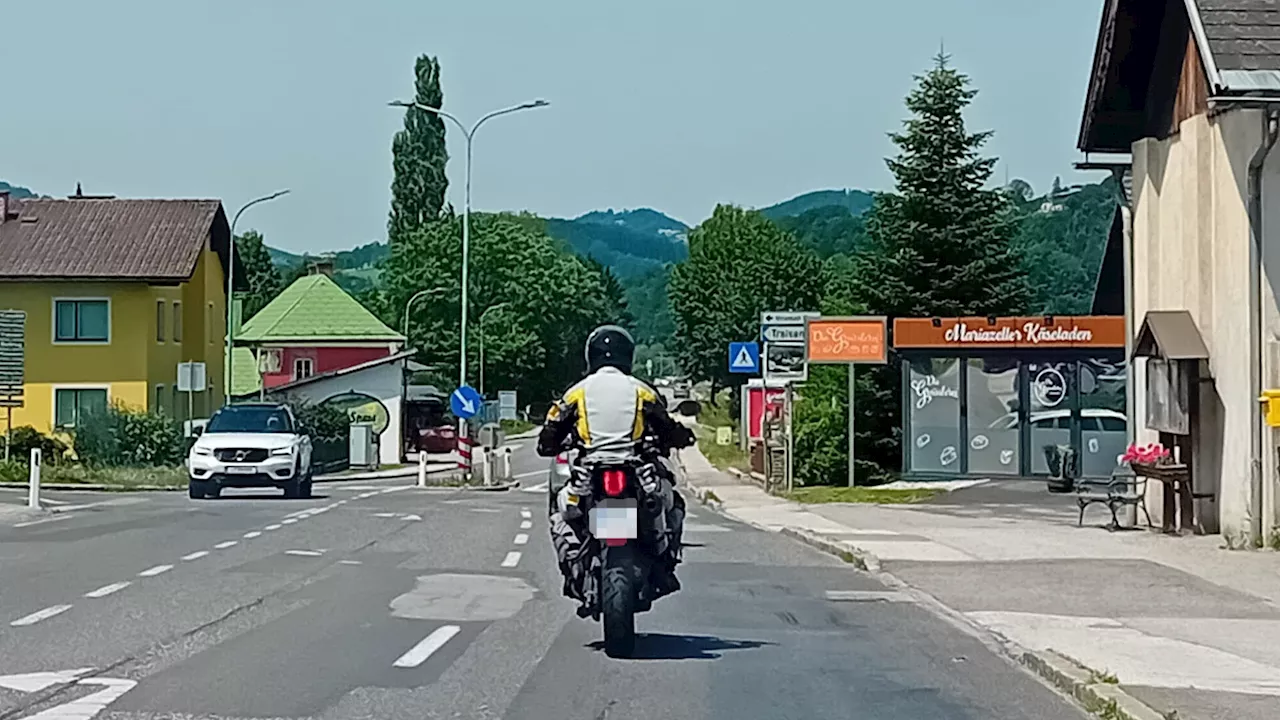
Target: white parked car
[(250, 445)]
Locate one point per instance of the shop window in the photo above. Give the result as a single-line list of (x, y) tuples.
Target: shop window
[(1050, 410), (933, 406), (1103, 425), (994, 431)]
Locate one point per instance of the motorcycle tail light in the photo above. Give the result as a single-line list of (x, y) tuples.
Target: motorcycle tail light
[(562, 459), (615, 481)]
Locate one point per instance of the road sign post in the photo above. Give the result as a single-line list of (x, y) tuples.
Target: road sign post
[(466, 403), (848, 341)]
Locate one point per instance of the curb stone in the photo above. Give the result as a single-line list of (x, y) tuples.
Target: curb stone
[(1103, 699), (1106, 700), (847, 552)]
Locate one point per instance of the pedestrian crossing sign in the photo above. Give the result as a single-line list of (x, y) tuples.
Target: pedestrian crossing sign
[(744, 357)]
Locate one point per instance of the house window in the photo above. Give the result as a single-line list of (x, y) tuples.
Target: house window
[(82, 321), (72, 404), (159, 321), (208, 325), (177, 321), (302, 368), (159, 406)]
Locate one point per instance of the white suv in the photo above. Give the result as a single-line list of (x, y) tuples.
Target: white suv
[(250, 445)]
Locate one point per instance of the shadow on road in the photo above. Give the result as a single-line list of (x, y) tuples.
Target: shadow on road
[(262, 496), (661, 646)]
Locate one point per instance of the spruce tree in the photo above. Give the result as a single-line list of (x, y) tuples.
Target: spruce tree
[(419, 157), (942, 244)]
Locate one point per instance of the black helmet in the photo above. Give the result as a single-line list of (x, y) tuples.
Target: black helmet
[(610, 346)]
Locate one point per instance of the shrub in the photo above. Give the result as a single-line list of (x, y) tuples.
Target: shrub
[(119, 436), (25, 438)]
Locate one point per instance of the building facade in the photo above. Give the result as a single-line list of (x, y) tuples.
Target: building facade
[(1187, 93), (117, 293)]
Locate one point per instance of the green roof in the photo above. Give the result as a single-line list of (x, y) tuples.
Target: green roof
[(315, 308), (244, 373)]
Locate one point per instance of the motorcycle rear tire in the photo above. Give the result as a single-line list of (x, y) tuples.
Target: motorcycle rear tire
[(617, 599)]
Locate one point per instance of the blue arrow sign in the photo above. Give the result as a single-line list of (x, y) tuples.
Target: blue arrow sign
[(465, 402), (744, 357)]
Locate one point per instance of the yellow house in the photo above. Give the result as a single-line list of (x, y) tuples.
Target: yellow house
[(116, 293)]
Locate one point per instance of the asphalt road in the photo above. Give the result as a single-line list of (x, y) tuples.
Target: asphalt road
[(380, 600)]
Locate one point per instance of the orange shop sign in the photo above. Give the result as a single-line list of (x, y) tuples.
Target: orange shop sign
[(1057, 331), (843, 340)]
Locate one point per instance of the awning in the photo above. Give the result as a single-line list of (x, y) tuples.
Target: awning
[(1170, 334)]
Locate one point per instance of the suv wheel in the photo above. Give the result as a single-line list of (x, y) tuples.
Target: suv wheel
[(293, 488), (196, 489)]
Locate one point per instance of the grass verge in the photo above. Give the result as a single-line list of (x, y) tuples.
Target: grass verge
[(515, 427), (876, 496), (721, 456), (116, 478)]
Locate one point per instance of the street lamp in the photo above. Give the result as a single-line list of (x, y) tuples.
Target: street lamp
[(231, 271), (469, 134), (409, 304), (483, 316)]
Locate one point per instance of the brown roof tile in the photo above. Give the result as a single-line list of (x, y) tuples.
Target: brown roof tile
[(108, 238)]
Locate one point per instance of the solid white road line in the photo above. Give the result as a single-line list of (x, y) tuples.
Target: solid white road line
[(252, 534), (273, 527), (512, 559), (484, 510), (522, 539), (39, 615), (305, 553), (225, 545), (419, 653), (42, 521), (106, 590), (531, 473), (195, 555), (152, 572), (526, 524)]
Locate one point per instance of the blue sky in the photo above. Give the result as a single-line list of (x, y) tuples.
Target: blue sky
[(671, 104)]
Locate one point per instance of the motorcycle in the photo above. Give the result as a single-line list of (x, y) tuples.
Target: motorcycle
[(626, 513)]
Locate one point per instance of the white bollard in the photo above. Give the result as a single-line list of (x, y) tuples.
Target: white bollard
[(486, 464), (422, 469), (33, 477), (506, 464)]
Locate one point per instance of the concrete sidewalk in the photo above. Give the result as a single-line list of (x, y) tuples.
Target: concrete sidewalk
[(1176, 622)]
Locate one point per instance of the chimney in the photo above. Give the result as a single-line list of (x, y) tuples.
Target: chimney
[(4, 206), (323, 265)]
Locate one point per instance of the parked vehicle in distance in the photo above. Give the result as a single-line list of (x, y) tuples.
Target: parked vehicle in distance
[(250, 445), (438, 439)]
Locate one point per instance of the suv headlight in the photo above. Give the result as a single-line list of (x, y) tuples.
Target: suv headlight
[(201, 451), (283, 451)]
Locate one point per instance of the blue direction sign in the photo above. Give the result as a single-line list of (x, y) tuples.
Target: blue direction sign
[(744, 357), (465, 402)]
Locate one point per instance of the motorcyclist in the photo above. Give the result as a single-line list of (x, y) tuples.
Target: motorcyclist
[(608, 416)]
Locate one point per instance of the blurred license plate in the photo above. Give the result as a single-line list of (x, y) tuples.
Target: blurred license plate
[(614, 520), (241, 469)]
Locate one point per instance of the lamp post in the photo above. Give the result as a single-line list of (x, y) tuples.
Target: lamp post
[(414, 298), (231, 271), (483, 316), (469, 134)]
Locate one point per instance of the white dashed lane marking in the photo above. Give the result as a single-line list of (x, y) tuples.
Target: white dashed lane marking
[(273, 527), (39, 615), (305, 553), (252, 534), (152, 572), (526, 524), (106, 590), (511, 560), (521, 539), (419, 653), (226, 544), (195, 555)]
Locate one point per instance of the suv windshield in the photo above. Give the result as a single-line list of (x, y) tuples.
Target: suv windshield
[(250, 419)]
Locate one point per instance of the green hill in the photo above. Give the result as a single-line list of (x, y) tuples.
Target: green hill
[(16, 191), (855, 201)]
